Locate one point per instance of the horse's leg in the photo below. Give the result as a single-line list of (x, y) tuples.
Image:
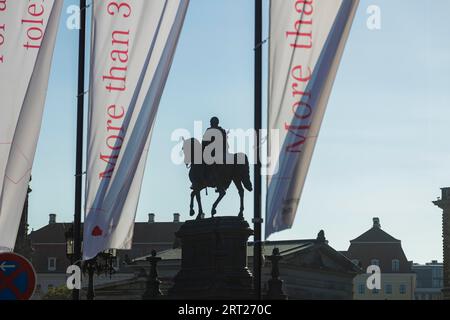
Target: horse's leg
[(192, 211), (238, 185), (199, 202), (222, 194)]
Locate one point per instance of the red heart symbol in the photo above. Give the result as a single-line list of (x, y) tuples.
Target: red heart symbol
[(97, 232)]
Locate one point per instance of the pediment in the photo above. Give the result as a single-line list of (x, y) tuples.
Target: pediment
[(319, 257)]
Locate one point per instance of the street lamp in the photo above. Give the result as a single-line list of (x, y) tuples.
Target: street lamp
[(103, 263), (70, 244)]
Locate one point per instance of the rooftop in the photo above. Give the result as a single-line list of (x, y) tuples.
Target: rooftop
[(375, 235), (286, 248), (144, 232), (376, 246)]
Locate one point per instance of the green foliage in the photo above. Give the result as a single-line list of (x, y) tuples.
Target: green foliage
[(60, 293)]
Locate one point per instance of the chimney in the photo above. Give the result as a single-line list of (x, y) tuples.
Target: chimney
[(176, 217), (151, 218), (376, 223), (445, 193), (52, 218)]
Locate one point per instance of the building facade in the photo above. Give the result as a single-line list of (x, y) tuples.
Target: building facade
[(430, 280), (378, 248), (50, 261), (444, 203), (310, 269)]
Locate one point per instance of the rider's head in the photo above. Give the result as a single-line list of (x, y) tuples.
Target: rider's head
[(214, 122)]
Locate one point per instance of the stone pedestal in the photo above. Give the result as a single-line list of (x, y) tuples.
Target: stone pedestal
[(275, 291), (214, 260)]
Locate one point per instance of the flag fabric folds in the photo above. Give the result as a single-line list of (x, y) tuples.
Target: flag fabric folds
[(133, 45), (28, 32), (307, 40)]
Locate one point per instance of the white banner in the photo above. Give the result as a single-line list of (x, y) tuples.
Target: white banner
[(27, 38), (307, 40), (133, 45)]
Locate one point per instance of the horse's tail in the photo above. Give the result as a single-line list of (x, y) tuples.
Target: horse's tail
[(246, 181)]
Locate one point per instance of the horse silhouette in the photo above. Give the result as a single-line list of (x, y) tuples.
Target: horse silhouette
[(218, 176)]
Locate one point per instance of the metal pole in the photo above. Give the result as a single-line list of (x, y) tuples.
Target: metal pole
[(91, 271), (257, 254), (79, 147)]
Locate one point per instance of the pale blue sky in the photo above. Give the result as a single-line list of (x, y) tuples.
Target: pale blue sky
[(383, 149)]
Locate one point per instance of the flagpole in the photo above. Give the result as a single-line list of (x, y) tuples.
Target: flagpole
[(79, 146), (257, 253)]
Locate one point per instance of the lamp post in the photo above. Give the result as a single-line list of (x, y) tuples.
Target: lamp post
[(102, 263), (258, 220), (89, 267), (70, 245), (79, 143)]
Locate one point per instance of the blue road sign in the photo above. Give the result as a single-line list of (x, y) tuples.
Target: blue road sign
[(17, 277)]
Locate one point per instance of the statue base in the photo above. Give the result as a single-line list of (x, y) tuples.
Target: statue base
[(152, 291), (275, 291), (214, 260)]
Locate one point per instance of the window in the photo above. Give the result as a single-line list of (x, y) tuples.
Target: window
[(402, 289), (438, 276), (437, 283), (375, 291), (388, 289), (51, 264), (375, 262), (395, 265), (362, 288)]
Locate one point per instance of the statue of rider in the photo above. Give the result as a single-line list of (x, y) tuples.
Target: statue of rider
[(215, 147)]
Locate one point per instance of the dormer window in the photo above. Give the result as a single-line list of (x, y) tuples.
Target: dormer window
[(395, 265)]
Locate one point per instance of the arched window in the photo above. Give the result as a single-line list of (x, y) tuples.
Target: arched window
[(375, 262)]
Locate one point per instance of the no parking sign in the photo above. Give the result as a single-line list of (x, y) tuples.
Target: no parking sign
[(17, 277)]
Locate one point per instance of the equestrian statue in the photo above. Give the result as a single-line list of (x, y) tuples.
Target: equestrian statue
[(212, 166)]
